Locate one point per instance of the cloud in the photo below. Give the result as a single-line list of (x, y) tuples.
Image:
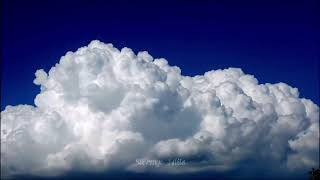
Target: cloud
[(101, 109)]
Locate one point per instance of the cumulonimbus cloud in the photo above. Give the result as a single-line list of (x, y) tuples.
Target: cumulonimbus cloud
[(101, 109)]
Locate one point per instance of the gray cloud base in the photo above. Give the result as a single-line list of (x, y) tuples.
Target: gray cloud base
[(101, 109)]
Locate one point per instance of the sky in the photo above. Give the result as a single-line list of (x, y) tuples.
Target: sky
[(230, 88), (275, 41)]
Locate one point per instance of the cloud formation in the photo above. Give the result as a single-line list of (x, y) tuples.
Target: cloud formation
[(100, 109)]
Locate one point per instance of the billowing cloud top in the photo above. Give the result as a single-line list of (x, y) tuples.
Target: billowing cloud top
[(101, 109)]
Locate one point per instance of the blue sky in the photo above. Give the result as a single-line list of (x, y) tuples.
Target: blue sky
[(274, 41)]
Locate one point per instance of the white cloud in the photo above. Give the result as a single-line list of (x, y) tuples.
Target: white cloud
[(101, 109)]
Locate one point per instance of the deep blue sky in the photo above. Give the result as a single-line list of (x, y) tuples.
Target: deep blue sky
[(275, 41)]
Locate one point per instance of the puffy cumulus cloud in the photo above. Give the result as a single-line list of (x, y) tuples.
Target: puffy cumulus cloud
[(101, 109)]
